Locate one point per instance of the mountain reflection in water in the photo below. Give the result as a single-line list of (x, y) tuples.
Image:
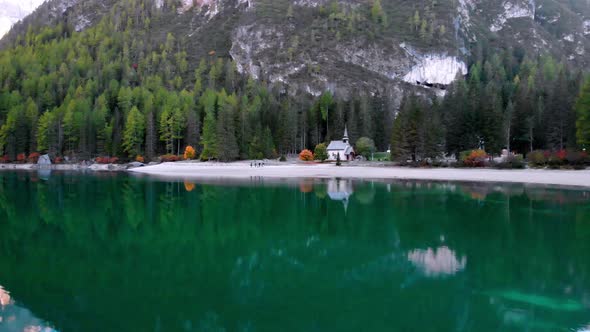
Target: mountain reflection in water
[(437, 262)]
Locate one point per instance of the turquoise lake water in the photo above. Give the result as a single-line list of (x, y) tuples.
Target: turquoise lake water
[(113, 252)]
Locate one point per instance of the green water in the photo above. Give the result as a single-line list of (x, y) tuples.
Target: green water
[(114, 252)]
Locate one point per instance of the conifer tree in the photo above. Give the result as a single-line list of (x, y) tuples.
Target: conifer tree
[(46, 132), (268, 146), (32, 117), (558, 113), (508, 116), (582, 109), (325, 105), (133, 137), (209, 140), (352, 122), (188, 109), (365, 117), (227, 145), (377, 13)]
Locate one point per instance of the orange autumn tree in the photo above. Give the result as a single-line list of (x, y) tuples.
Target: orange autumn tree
[(475, 158), (189, 153), (306, 155)]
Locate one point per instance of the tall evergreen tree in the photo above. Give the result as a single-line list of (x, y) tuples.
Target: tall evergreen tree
[(227, 145), (492, 120), (193, 119), (559, 112), (377, 13), (32, 117), (366, 117), (508, 117), (582, 109), (133, 137), (209, 140), (405, 131), (326, 105)]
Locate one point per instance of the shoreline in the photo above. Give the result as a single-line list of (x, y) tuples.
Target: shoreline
[(63, 167), (241, 170)]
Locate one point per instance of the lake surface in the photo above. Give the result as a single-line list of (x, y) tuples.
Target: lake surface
[(112, 252)]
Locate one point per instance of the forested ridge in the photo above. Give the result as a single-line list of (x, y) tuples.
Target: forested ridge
[(115, 90), (507, 102)]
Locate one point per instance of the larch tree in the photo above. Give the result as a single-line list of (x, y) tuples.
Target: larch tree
[(100, 116), (582, 109), (192, 118), (377, 13), (133, 137), (508, 116), (209, 139), (32, 116), (365, 117), (45, 131), (227, 145), (326, 104)]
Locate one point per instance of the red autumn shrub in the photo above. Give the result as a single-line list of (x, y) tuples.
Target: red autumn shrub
[(21, 157), (306, 155), (140, 159), (106, 160), (4, 160), (34, 157), (102, 160), (561, 155), (58, 160), (557, 159), (169, 158)]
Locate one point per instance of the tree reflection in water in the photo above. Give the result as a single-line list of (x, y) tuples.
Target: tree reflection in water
[(142, 254)]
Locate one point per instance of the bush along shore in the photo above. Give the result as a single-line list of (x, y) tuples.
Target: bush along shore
[(67, 167), (478, 158), (561, 159), (36, 161)]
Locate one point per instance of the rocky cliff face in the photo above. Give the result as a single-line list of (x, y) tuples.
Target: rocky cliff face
[(310, 46), (276, 50)]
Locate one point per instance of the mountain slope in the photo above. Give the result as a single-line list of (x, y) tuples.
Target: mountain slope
[(314, 45)]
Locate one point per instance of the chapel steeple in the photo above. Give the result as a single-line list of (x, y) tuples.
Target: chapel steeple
[(345, 137)]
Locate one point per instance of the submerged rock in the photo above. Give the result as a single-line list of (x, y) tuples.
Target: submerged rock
[(136, 164), (538, 300)]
